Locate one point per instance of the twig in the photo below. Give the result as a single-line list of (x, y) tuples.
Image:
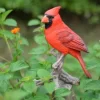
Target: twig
[(62, 78), (4, 58), (8, 46), (38, 82)]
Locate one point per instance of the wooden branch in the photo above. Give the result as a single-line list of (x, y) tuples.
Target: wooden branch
[(62, 78)]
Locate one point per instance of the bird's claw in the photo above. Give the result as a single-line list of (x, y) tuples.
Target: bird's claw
[(53, 53), (55, 65)]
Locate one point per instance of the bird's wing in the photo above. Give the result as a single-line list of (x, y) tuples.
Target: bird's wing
[(71, 40)]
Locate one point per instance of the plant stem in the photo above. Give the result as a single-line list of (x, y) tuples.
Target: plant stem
[(5, 38), (16, 46), (8, 46), (51, 97), (28, 63), (4, 58)]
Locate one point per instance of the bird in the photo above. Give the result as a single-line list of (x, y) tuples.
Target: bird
[(62, 38)]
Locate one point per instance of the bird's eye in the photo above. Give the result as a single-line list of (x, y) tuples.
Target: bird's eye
[(50, 17)]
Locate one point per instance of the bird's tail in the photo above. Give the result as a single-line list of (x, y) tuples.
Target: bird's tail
[(83, 66)]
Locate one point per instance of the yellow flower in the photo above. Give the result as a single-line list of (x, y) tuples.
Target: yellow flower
[(15, 30)]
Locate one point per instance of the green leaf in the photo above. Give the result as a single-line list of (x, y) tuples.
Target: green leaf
[(15, 95), (4, 84), (30, 86), (51, 59), (40, 39), (41, 90), (10, 22), (96, 47), (33, 22), (39, 50), (41, 97), (6, 76), (50, 87), (5, 14), (45, 64), (31, 73), (6, 33), (3, 68), (93, 85), (24, 41), (89, 95), (18, 65), (26, 79), (84, 83), (30, 98), (36, 65), (60, 98), (39, 29), (40, 17), (94, 19), (43, 74), (62, 92), (2, 10)]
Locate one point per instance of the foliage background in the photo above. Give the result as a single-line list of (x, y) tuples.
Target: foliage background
[(82, 16), (87, 8)]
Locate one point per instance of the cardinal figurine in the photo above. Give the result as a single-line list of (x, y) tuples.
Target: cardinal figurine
[(62, 38)]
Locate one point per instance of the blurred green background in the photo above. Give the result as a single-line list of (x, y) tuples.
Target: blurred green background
[(83, 16)]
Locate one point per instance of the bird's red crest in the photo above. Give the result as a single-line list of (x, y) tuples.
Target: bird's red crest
[(53, 11)]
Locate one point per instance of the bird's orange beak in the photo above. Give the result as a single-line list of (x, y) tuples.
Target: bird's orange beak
[(45, 19)]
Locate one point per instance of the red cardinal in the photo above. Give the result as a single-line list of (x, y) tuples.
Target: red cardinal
[(62, 38)]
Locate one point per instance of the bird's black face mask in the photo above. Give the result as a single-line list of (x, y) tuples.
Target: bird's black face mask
[(47, 25)]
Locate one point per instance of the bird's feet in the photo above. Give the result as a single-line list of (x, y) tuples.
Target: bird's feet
[(55, 65), (58, 64), (52, 51)]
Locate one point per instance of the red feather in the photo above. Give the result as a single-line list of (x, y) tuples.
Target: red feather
[(72, 41)]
